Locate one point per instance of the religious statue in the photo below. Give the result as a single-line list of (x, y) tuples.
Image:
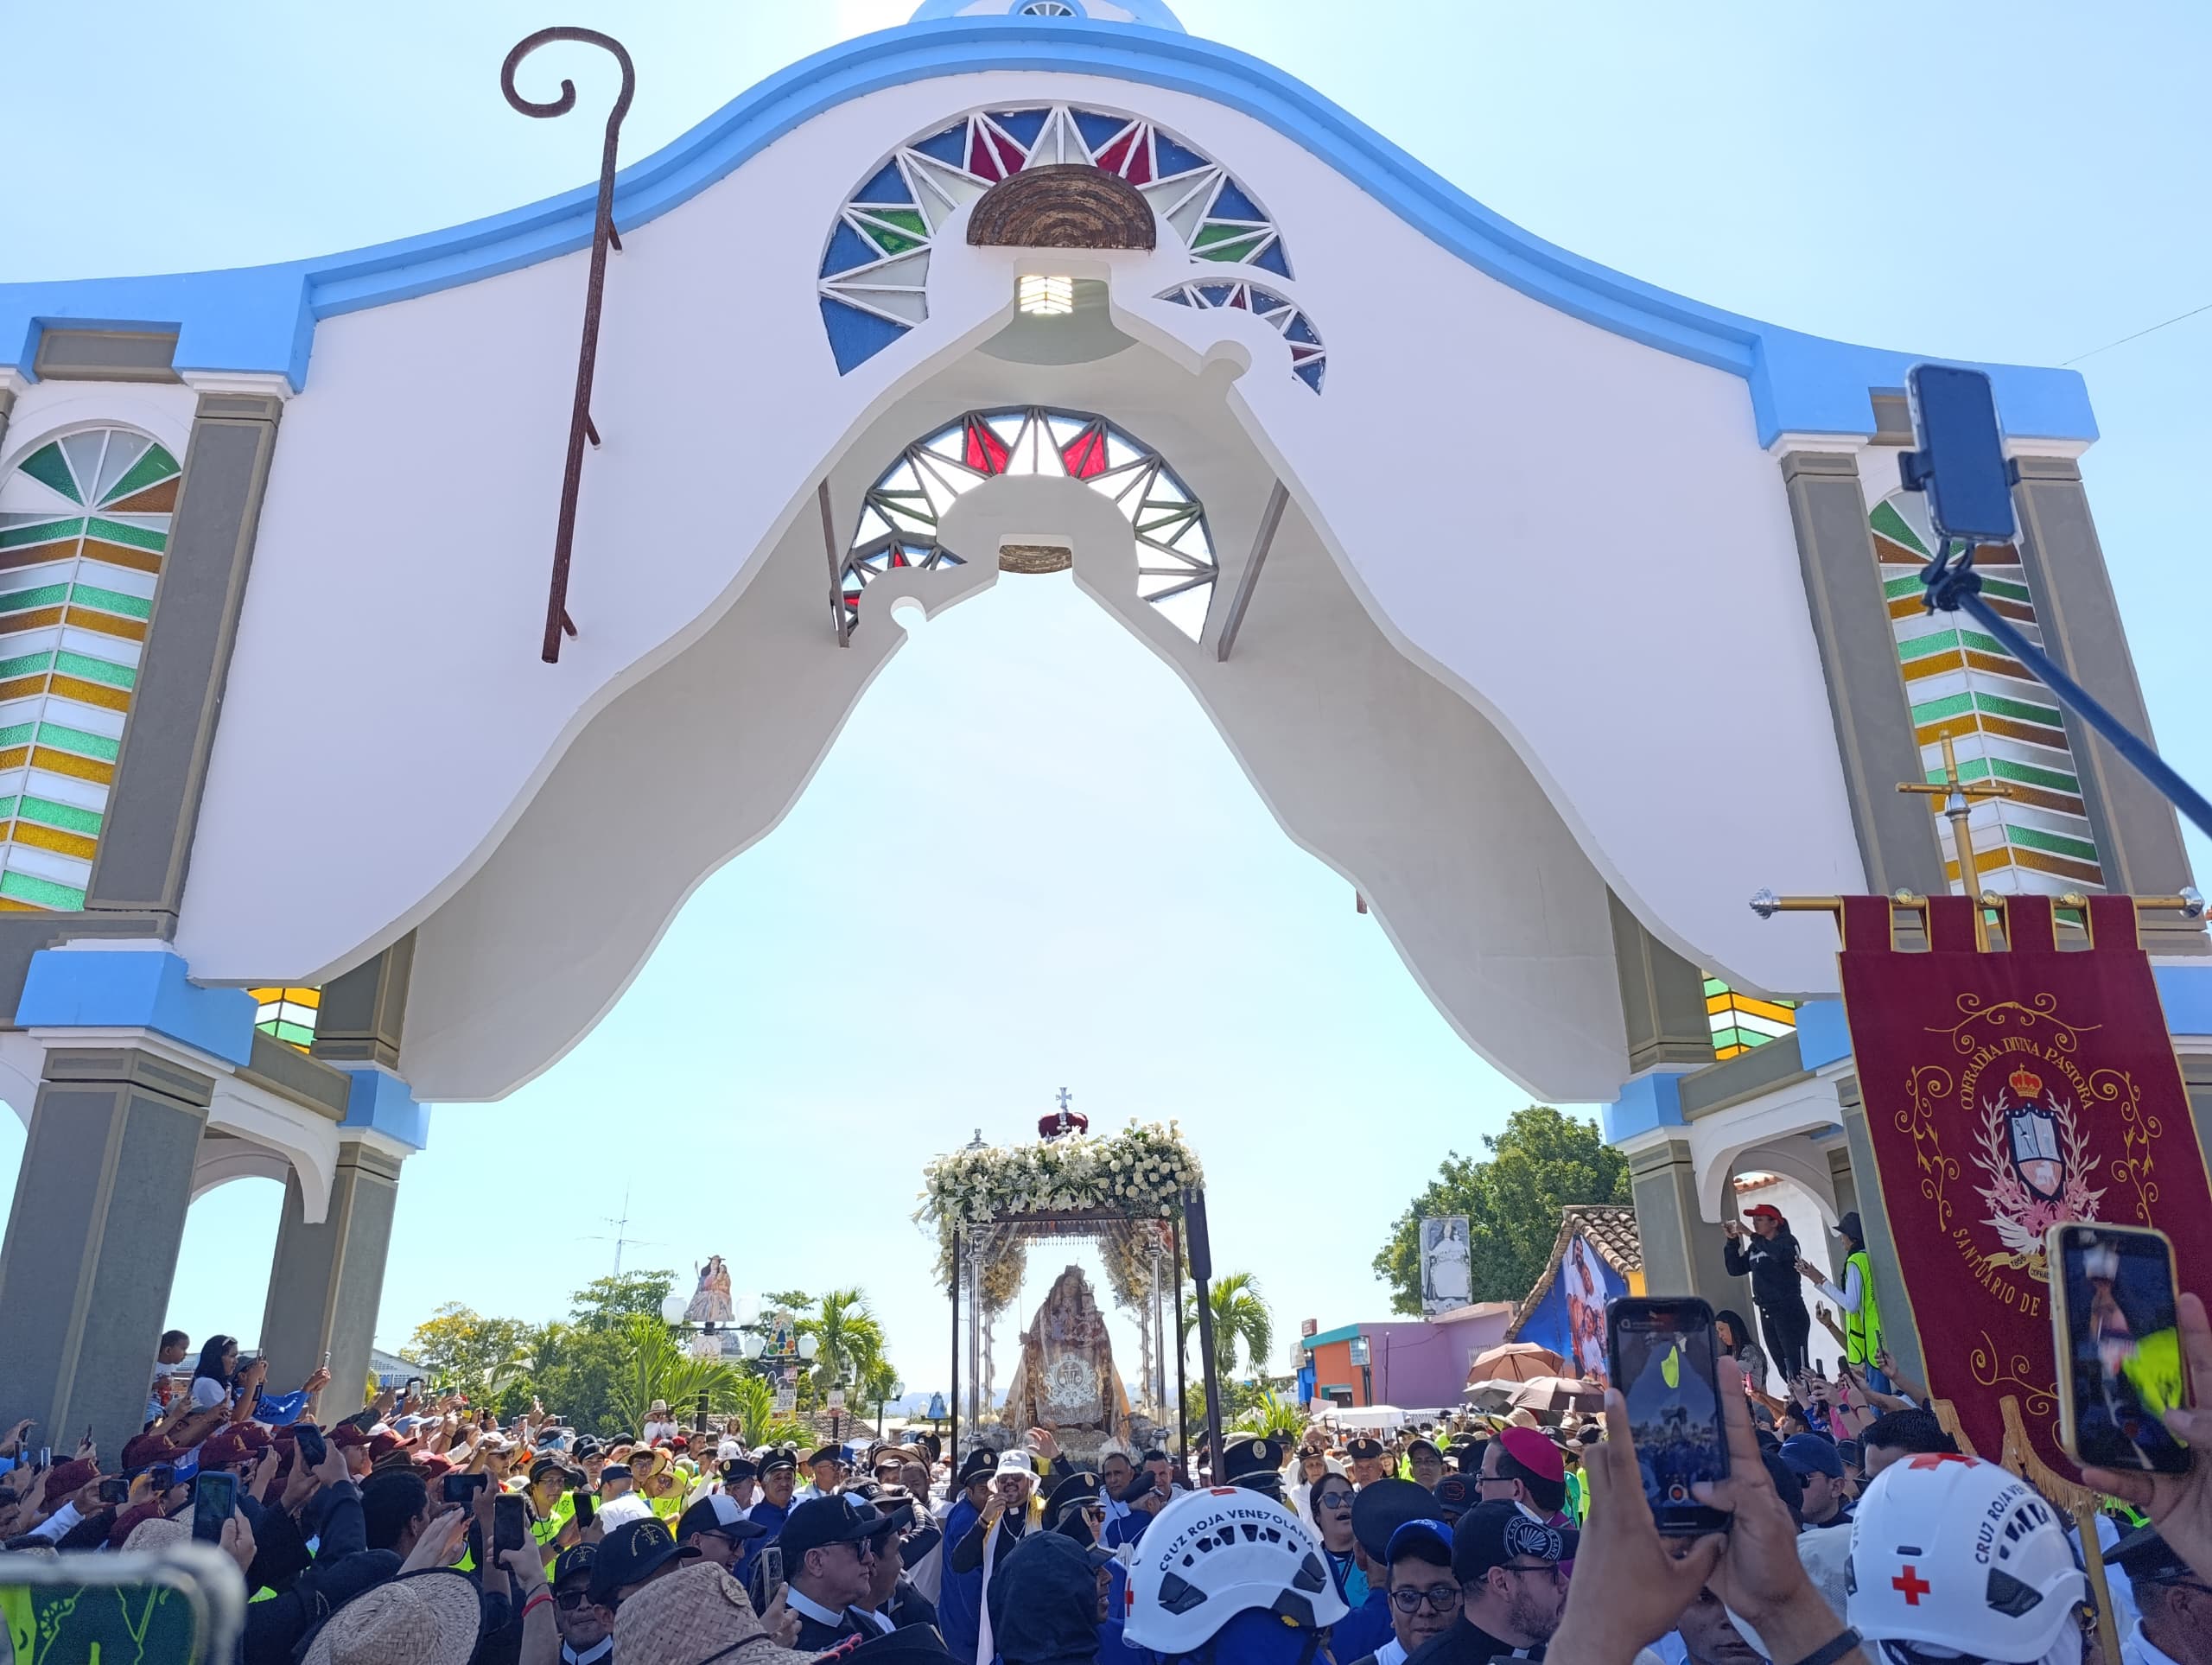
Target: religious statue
[(1066, 1381), (710, 1302)]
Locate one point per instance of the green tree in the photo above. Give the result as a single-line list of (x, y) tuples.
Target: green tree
[(1543, 1161), (603, 1303), (655, 1367), (463, 1351), (1239, 1314), (754, 1402), (846, 1338), (879, 1386)]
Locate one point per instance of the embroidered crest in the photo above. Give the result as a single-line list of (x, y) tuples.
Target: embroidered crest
[(2036, 1160)]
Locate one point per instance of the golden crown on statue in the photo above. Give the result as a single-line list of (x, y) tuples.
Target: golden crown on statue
[(2026, 1083)]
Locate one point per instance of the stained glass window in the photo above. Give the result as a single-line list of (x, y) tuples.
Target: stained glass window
[(287, 1014), (84, 525), (2003, 724), (899, 517), (875, 268), (1308, 358), (1740, 1021)]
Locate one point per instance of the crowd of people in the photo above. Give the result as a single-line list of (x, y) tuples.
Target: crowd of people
[(423, 1531)]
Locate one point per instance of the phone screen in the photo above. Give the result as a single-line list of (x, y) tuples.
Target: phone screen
[(311, 1445), (164, 1476), (772, 1569), (1663, 1359), (214, 1500), (462, 1488), (509, 1530), (2119, 1346), (584, 1508), (114, 1489)]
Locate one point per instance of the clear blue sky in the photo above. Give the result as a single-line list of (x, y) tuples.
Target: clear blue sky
[(1756, 157)]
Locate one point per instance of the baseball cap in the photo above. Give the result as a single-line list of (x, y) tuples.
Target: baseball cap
[(717, 1514), (1383, 1506), (1807, 1454), (575, 1563), (1490, 1535), (820, 1522), (1767, 1210), (1455, 1495), (1421, 1529), (631, 1553)]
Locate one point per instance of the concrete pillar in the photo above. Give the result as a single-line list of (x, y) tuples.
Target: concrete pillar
[(2138, 836), (328, 1279), (1682, 1250), (1662, 997), (91, 1241), (363, 1012), (1859, 657), (1900, 1332), (155, 804), (8, 379)]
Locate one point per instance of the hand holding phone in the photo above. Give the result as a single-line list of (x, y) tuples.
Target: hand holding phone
[(772, 1569), (312, 1446), (510, 1527), (2116, 1332), (1663, 1356), (462, 1488), (214, 1500)]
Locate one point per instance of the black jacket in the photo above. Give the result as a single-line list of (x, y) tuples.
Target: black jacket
[(815, 1638), (1044, 1603), (1777, 1284), (1463, 1644)]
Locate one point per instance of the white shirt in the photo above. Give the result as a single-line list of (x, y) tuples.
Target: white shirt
[(630, 1506), (1392, 1652), (659, 1431), (799, 1602), (207, 1393), (597, 1654), (1849, 1296), (2136, 1649)]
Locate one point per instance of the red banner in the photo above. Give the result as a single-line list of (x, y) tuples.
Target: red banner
[(2006, 1091)]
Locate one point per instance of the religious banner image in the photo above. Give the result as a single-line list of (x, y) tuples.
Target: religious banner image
[(1447, 1272), (2007, 1092)]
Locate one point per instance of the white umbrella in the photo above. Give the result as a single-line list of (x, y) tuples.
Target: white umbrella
[(1367, 1416)]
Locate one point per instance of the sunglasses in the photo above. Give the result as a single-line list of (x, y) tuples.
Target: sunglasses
[(568, 1600), (1333, 1500)]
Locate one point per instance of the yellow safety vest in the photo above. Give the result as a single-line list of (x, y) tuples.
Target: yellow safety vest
[(1862, 1331)]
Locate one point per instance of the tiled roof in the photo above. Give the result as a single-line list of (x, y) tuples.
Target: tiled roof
[(1610, 1230)]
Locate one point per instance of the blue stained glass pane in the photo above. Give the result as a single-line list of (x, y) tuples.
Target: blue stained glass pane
[(1172, 158), (1217, 295), (1311, 373), (848, 249), (1273, 259), (1177, 297), (1299, 330), (1233, 204), (1097, 128), (1024, 124), (889, 185), (857, 336), (951, 145)]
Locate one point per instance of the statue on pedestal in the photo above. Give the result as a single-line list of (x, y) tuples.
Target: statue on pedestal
[(1066, 1381)]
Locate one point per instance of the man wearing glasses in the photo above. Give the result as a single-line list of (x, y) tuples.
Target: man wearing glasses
[(830, 1560), (1424, 1593), (587, 1629), (1512, 1588)]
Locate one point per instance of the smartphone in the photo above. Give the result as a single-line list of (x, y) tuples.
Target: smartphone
[(214, 1500), (164, 1476), (772, 1569), (114, 1489), (313, 1447), (583, 1509), (1661, 1355), (510, 1527), (2118, 1342), (46, 1457), (461, 1489), (699, 1416)]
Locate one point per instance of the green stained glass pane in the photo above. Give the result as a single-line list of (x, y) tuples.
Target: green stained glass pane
[(77, 740), (136, 536), (1714, 986), (45, 531), (1957, 705), (113, 600), (2028, 775), (1891, 525), (292, 1034), (1974, 639), (1225, 242), (49, 467), (1996, 706), (7, 809), (42, 893), (16, 734), (896, 231), (1938, 641), (156, 464), (67, 816), (24, 664), (1998, 587), (95, 670), (2036, 838), (45, 595), (1895, 588)]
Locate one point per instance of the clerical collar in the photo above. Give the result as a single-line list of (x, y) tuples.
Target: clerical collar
[(796, 1597), (598, 1653)]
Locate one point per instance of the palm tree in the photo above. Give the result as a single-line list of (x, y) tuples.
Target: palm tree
[(880, 1385), (754, 1402), (654, 1367), (847, 1338), (1239, 1313)]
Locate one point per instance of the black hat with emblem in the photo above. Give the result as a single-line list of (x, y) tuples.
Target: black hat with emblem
[(1078, 1489), (1367, 1448), (1381, 1507), (1455, 1495), (1256, 1464), (980, 1464), (778, 1459), (1491, 1534), (631, 1553)]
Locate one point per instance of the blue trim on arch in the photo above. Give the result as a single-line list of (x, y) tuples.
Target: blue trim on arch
[(135, 989), (263, 318)]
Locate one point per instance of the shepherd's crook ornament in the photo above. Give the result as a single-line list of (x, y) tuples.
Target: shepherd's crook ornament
[(603, 236)]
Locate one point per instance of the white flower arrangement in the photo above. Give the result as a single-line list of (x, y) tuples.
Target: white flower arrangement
[(1140, 1172)]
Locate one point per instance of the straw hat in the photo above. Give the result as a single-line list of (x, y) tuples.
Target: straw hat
[(148, 1536), (698, 1613), (421, 1618)]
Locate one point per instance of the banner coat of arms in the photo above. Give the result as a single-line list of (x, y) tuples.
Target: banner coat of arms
[(2006, 1092)]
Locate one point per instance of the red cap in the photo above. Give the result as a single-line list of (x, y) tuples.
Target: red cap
[(348, 1433), (1534, 1453), (433, 1465), (224, 1447), (65, 1478), (1767, 1209), (130, 1519), (384, 1444), (143, 1449)]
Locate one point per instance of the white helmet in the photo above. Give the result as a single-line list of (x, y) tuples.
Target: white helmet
[(1952, 1553), (1210, 1555)]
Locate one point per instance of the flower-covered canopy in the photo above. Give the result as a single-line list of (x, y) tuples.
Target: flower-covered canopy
[(1138, 1174)]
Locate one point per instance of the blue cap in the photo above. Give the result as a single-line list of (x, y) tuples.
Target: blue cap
[(1807, 1454)]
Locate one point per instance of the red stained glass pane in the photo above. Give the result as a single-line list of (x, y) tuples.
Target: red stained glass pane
[(981, 162), (1115, 154), (1140, 159), (1239, 298), (1009, 152), (1085, 454), (986, 450)]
